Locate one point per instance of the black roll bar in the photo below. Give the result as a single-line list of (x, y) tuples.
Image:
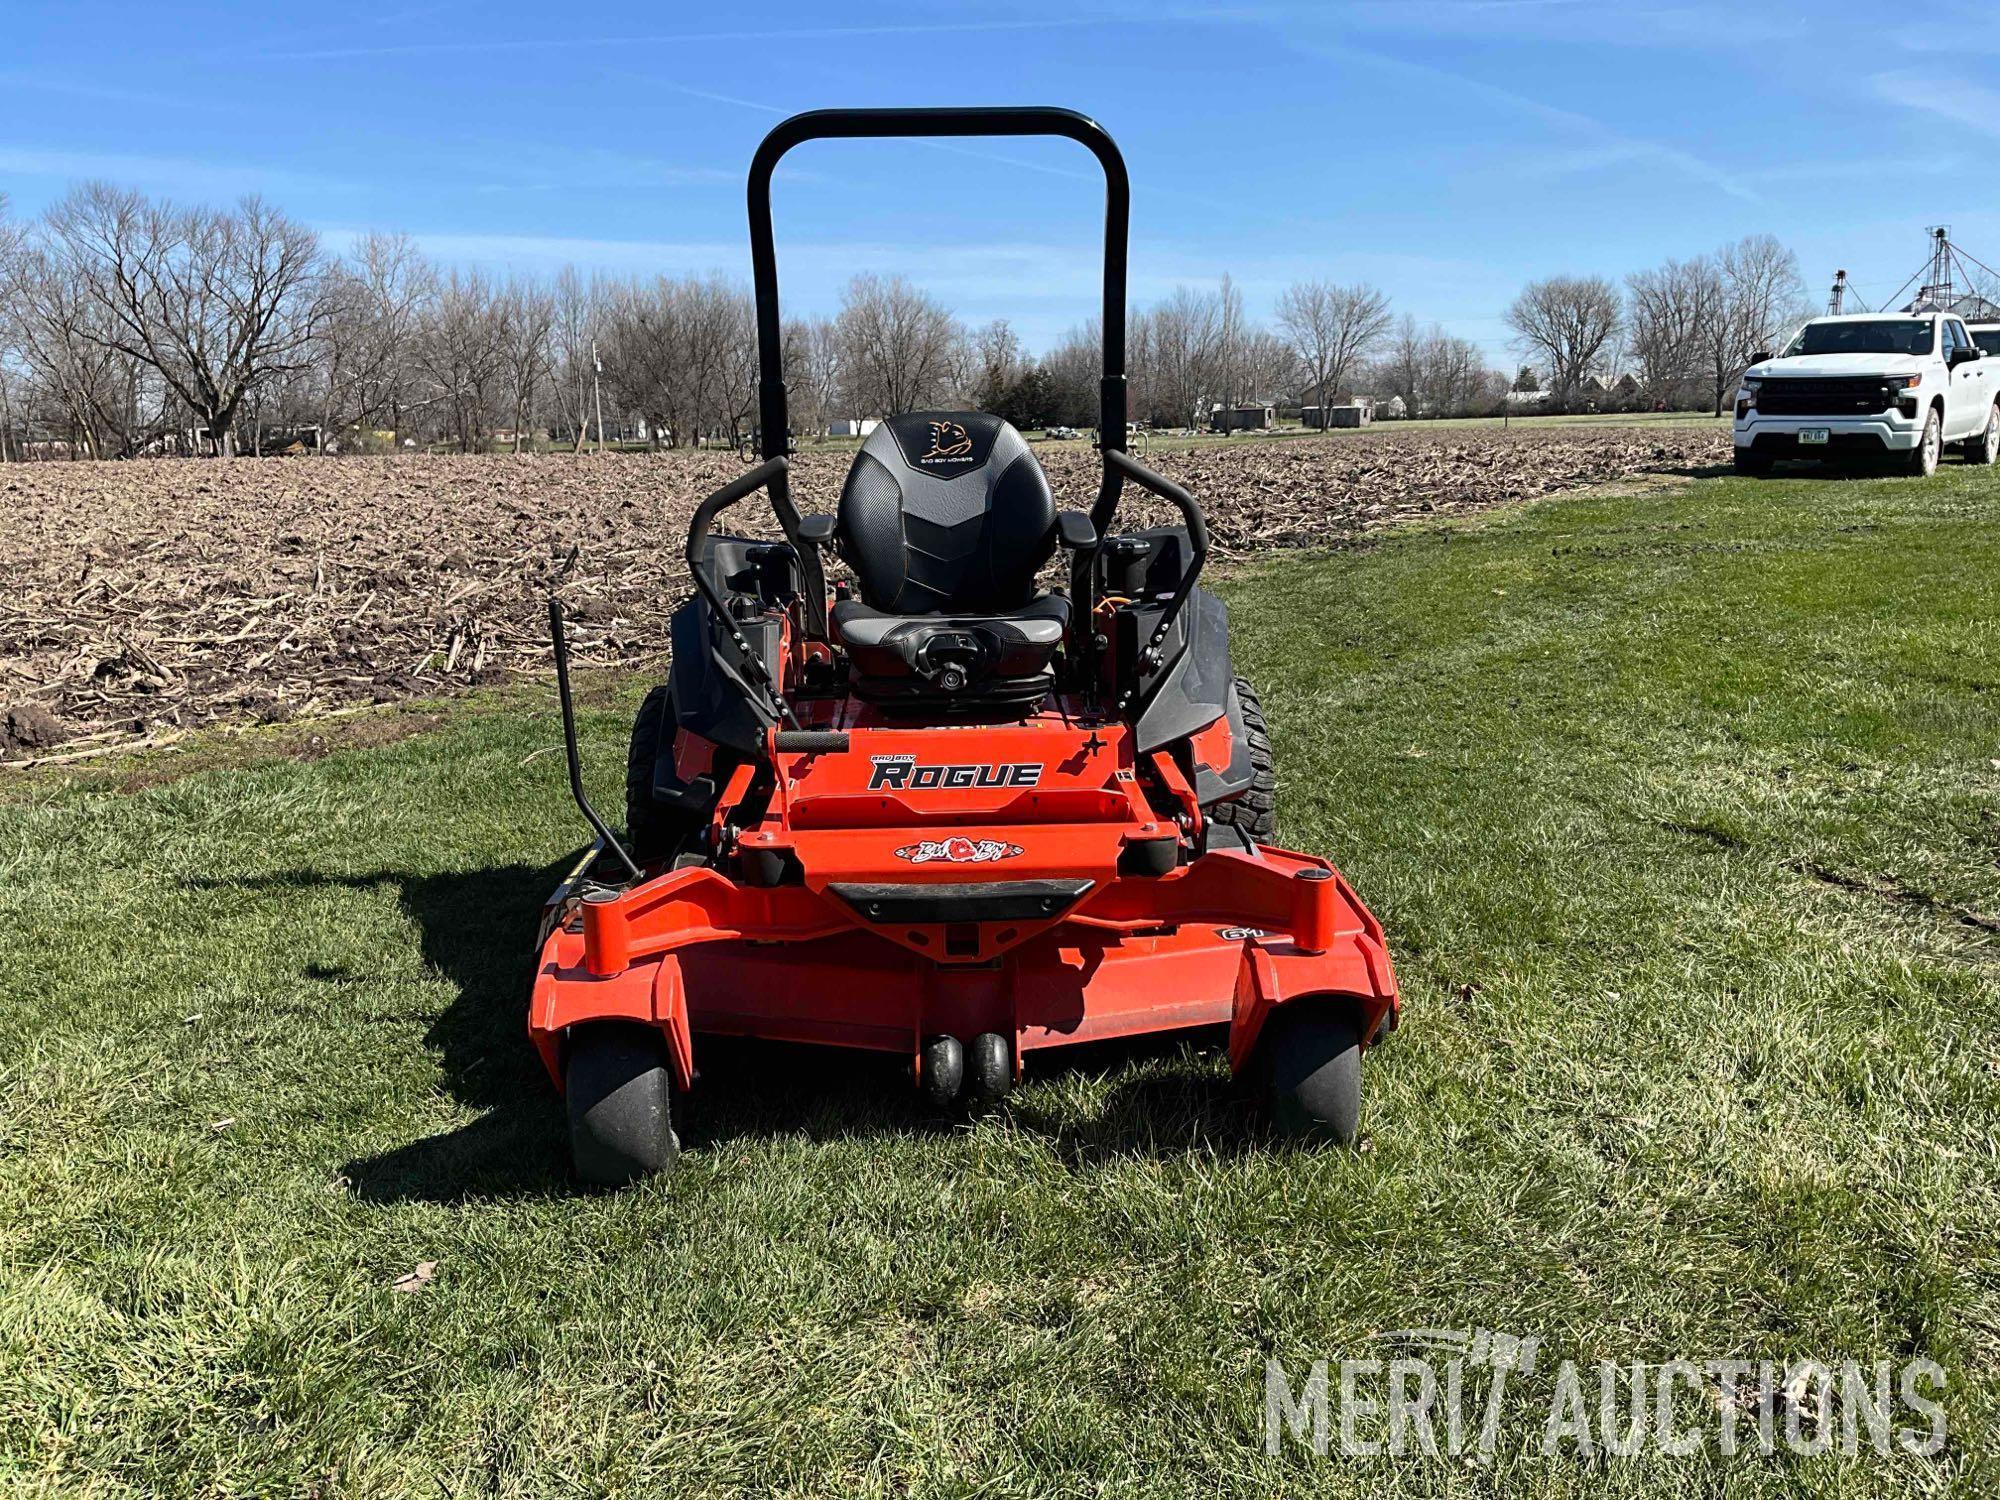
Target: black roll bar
[(825, 124)]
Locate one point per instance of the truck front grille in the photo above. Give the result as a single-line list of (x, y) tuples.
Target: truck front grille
[(1854, 396)]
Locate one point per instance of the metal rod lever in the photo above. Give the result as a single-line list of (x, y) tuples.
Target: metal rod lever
[(560, 639)]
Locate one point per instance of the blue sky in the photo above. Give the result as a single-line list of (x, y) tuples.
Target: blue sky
[(1446, 150)]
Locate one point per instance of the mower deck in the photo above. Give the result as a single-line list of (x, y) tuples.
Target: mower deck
[(1217, 942)]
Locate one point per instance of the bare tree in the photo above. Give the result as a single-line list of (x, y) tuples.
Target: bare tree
[(215, 302), (576, 325), (1180, 353), (1074, 368), (1762, 294), (1673, 312), (897, 344), (375, 305), (997, 360), (682, 355), (1432, 373), (1227, 377), (1401, 372), (725, 325), (1267, 367), (1570, 322), (1331, 329), (813, 373), (526, 312), (61, 341), (1451, 375), (642, 348), (461, 357)]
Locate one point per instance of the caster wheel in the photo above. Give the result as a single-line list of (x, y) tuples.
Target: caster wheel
[(621, 1105), (989, 1068), (943, 1070), (1312, 1058)]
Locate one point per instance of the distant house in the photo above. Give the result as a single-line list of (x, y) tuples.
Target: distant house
[(1395, 409), (1244, 416), (852, 426)]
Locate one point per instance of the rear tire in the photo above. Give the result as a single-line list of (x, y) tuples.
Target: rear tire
[(1312, 1061), (1921, 461), (655, 832), (1255, 811), (621, 1104), (1984, 448), (1750, 461)]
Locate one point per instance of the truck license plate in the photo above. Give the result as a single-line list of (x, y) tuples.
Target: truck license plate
[(1812, 434)]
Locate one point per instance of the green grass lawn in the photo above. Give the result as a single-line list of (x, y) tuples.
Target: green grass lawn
[(1682, 808)]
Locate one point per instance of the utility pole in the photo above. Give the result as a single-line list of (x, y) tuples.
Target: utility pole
[(597, 392)]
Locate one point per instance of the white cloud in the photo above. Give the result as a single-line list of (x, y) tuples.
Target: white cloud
[(1601, 143), (553, 42), (178, 176), (1954, 99), (96, 89)]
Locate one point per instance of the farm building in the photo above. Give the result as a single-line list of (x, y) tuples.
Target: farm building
[(1356, 413), (1969, 305), (852, 426), (1245, 416)]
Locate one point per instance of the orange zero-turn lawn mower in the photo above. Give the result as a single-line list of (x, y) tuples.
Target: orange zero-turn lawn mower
[(941, 812)]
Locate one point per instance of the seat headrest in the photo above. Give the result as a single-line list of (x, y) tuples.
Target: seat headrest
[(946, 511)]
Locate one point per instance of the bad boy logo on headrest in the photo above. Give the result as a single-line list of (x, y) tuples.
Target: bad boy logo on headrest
[(950, 443)]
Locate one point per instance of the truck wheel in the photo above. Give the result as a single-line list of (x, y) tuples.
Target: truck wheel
[(621, 1104), (1312, 1070), (1921, 461), (1985, 448), (1750, 461)]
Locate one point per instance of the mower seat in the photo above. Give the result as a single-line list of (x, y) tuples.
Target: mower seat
[(946, 518)]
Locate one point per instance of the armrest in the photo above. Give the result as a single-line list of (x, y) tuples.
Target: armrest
[(817, 531), (1074, 531)]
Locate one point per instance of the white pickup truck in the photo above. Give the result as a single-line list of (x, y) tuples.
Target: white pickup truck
[(1871, 385)]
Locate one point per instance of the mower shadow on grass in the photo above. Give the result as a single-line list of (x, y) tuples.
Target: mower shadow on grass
[(1154, 1097), (1150, 1096), (475, 928)]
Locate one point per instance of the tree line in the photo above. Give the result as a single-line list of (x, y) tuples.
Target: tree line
[(133, 326), (1683, 331)]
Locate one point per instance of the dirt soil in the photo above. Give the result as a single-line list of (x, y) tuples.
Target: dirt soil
[(146, 598)]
